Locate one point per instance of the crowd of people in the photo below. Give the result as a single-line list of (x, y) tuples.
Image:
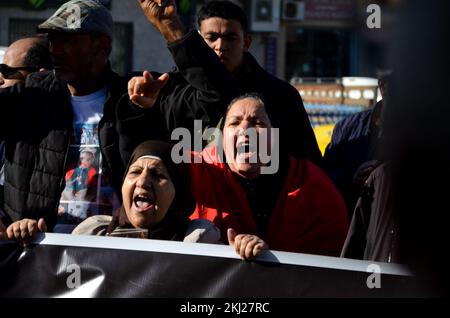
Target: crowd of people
[(53, 165)]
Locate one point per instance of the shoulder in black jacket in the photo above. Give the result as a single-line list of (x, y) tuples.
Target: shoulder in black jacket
[(285, 109), (373, 234), (202, 88), (354, 142)]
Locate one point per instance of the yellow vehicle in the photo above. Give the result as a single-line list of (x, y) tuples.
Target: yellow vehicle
[(329, 100), (323, 135)]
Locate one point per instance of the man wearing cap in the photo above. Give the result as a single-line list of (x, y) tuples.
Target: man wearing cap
[(42, 128)]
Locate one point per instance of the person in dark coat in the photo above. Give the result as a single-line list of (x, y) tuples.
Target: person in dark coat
[(354, 151), (417, 133), (39, 117), (24, 56), (239, 73), (224, 27), (373, 234), (194, 96), (413, 186)]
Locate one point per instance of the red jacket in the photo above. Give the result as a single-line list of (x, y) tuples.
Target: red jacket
[(309, 217)]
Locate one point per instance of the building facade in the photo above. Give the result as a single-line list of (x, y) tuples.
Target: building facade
[(136, 44), (291, 38), (317, 38)]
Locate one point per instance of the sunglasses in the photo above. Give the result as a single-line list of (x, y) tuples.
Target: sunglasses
[(8, 71)]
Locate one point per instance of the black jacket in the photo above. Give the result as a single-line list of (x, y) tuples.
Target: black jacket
[(374, 234), (199, 89), (285, 108), (355, 141), (202, 88), (36, 121)]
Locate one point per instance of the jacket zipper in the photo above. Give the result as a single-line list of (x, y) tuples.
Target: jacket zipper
[(69, 132)]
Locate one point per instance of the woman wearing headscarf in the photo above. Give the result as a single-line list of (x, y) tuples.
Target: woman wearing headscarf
[(157, 201), (157, 204)]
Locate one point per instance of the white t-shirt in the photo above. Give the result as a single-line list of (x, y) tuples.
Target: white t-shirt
[(89, 190)]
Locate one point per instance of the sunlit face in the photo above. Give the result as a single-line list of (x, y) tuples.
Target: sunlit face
[(227, 39), (246, 118), (147, 192), (73, 55)]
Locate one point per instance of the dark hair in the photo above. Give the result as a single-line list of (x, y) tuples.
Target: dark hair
[(38, 55), (223, 9)]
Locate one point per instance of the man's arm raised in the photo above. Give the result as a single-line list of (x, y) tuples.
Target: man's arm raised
[(162, 14)]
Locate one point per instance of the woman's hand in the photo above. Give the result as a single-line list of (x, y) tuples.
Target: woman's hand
[(144, 90), (23, 231), (246, 245)]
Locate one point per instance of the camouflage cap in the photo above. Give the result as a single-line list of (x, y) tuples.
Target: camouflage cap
[(79, 16)]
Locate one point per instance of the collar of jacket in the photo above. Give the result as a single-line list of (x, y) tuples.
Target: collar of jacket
[(250, 67), (46, 80), (116, 84), (374, 115)]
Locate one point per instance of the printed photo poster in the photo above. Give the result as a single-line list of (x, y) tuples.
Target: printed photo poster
[(86, 134), (88, 189), (82, 176)]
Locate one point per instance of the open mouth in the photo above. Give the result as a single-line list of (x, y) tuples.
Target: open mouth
[(143, 203), (246, 152)]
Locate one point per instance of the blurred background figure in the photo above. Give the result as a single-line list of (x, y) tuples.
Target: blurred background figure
[(410, 207), (23, 57), (418, 133), (354, 151)]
